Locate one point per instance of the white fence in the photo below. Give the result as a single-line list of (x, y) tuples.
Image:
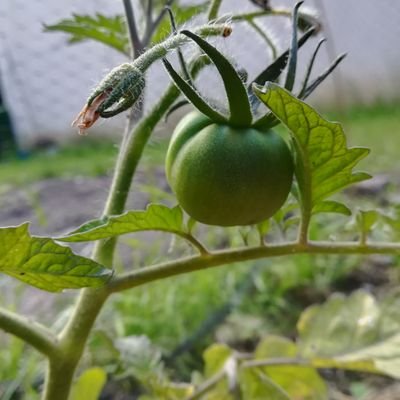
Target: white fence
[(45, 81)]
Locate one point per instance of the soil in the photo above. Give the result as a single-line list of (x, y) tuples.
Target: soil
[(53, 207), (56, 206)]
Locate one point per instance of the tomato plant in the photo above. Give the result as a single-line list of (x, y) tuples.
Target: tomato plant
[(227, 167)]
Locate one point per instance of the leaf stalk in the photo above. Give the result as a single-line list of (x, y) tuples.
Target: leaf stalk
[(33, 333), (215, 259)]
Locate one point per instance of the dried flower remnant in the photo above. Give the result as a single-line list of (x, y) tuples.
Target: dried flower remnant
[(227, 31), (117, 92), (89, 114)]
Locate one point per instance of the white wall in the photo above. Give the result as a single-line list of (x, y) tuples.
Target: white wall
[(45, 81)]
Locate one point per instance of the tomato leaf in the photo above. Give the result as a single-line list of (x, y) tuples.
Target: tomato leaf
[(254, 384), (163, 389), (299, 382), (366, 220), (215, 357), (110, 31), (239, 104), (89, 385), (323, 162), (354, 332), (330, 206), (42, 263), (156, 217)]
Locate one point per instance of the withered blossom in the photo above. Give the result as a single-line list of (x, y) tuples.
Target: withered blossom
[(117, 92), (89, 114)]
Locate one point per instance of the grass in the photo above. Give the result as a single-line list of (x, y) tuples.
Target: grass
[(86, 158), (376, 127)]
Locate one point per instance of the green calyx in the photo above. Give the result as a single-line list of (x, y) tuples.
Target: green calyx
[(239, 113), (242, 103), (123, 85), (239, 105)]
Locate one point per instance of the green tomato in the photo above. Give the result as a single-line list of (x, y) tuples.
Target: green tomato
[(227, 176)]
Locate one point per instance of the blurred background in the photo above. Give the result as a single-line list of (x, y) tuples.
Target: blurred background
[(44, 81), (57, 180)]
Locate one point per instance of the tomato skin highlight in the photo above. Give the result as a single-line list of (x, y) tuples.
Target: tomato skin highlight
[(228, 176)]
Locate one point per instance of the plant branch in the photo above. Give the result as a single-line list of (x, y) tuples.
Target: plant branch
[(213, 9), (283, 12), (304, 225), (136, 44), (180, 54), (33, 333), (149, 13), (160, 50), (207, 385), (267, 39), (196, 263), (152, 25), (71, 343), (194, 242), (271, 362)]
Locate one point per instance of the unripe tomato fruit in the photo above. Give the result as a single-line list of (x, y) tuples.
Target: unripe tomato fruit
[(227, 176)]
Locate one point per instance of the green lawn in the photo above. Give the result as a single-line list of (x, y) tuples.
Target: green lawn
[(86, 158), (377, 128)]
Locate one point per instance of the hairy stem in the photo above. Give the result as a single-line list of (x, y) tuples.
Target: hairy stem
[(136, 44), (194, 242), (149, 13), (58, 379), (160, 50), (267, 39), (271, 362), (214, 9), (283, 12), (152, 25), (195, 263), (33, 333), (72, 341), (304, 227), (74, 336)]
